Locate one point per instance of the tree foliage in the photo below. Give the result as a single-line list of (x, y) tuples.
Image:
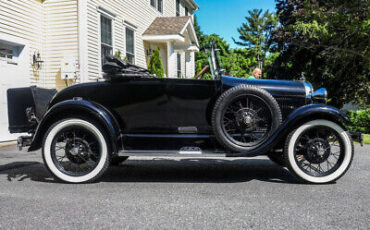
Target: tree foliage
[(329, 41), (155, 64), (255, 33), (237, 62)]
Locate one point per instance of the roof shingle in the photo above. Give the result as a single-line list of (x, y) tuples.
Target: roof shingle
[(167, 25)]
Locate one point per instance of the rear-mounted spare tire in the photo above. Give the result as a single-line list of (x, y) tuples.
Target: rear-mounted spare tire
[(244, 117)]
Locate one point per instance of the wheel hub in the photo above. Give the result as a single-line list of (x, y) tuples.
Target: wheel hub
[(77, 150), (318, 150), (247, 118)]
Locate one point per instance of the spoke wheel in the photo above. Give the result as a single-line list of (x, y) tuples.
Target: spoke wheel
[(244, 117), (319, 151), (247, 120), (76, 150)]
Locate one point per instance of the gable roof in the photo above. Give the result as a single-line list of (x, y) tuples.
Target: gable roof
[(167, 26), (193, 4)]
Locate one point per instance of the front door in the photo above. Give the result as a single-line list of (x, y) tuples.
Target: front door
[(14, 73), (190, 104)]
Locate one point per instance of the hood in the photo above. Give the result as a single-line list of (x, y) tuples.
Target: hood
[(274, 87)]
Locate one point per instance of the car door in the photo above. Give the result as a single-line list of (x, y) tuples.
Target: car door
[(140, 103), (190, 104)]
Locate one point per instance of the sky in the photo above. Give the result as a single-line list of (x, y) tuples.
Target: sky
[(223, 17)]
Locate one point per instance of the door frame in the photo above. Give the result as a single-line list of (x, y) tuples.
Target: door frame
[(23, 60)]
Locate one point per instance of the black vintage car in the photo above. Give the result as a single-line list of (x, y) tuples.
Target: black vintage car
[(87, 127)]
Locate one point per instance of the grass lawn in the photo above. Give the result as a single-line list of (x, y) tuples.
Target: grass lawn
[(366, 139)]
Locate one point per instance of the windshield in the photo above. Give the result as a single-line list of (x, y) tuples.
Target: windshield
[(214, 61)]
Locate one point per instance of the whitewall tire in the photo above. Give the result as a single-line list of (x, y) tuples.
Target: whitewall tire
[(318, 145), (70, 133)]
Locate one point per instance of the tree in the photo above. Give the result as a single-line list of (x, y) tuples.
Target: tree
[(155, 64), (329, 41), (255, 33), (201, 57), (236, 62)]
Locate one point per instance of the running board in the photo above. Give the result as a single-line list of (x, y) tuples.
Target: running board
[(171, 153)]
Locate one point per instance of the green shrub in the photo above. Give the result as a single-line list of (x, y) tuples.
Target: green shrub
[(360, 120), (155, 64)]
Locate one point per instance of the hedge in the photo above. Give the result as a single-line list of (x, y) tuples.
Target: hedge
[(360, 120), (155, 64)]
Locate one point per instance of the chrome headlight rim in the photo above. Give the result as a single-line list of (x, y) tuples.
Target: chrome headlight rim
[(309, 90), (320, 95)]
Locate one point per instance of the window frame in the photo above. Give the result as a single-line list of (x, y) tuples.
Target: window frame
[(156, 5), (178, 8), (133, 41), (179, 65), (111, 17)]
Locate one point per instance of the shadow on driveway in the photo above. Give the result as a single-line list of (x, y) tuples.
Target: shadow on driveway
[(164, 170)]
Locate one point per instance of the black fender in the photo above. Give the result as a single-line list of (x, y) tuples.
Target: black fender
[(297, 117), (68, 108)]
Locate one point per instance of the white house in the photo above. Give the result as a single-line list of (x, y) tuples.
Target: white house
[(38, 38)]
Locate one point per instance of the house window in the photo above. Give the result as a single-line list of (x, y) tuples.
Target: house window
[(160, 6), (6, 54), (178, 8), (178, 65), (186, 11), (130, 45), (106, 38), (157, 4)]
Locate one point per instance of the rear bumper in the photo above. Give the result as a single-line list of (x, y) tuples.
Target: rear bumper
[(357, 136)]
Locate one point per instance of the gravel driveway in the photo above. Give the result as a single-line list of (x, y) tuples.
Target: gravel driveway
[(180, 193)]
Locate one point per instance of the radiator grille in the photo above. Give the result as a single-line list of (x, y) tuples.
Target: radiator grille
[(288, 105)]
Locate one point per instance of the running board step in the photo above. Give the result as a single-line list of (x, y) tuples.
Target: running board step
[(184, 152)]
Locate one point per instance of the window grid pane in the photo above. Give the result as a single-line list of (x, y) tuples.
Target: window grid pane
[(130, 45), (129, 41), (152, 3), (160, 8), (105, 50), (178, 65), (106, 30), (177, 8)]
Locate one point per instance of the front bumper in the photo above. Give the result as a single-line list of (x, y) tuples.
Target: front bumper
[(357, 136)]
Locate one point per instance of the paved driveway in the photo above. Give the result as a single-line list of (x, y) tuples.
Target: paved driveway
[(174, 193)]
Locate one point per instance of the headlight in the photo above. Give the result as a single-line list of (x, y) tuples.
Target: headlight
[(320, 96), (309, 90)]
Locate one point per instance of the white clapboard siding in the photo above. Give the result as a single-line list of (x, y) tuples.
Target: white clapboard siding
[(138, 13), (61, 38), (50, 27), (24, 19)]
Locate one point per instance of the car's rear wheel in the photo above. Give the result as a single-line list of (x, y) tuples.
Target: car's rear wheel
[(76, 151), (319, 151), (244, 117)]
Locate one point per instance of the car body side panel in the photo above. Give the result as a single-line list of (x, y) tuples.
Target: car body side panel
[(147, 110), (150, 105), (274, 87)]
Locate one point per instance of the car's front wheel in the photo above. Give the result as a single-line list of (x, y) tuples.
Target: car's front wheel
[(319, 151), (76, 150)]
